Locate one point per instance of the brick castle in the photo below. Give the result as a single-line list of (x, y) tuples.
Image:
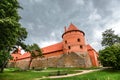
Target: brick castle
[(72, 51)]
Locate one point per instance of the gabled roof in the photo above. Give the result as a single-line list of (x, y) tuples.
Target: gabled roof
[(52, 48)]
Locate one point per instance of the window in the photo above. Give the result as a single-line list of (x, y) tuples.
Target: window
[(65, 42), (78, 40), (81, 46), (16, 57), (69, 47)]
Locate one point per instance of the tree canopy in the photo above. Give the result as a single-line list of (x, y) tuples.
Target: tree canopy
[(11, 32), (110, 55), (109, 38), (35, 51)]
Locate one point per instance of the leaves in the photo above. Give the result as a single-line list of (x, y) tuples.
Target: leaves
[(11, 32), (34, 50), (110, 56), (109, 38)]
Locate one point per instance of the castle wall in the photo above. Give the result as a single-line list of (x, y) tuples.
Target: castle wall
[(71, 52), (54, 54), (94, 58), (22, 64), (65, 60)]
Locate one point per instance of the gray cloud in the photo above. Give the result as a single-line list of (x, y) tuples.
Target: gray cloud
[(45, 19)]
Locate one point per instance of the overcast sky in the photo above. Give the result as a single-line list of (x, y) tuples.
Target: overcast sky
[(45, 19)]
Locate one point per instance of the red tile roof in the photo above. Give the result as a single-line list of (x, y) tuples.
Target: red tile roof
[(25, 55), (52, 48)]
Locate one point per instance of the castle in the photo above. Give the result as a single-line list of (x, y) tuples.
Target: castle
[(72, 51)]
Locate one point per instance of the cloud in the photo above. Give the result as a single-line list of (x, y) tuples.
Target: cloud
[(94, 16), (45, 19)]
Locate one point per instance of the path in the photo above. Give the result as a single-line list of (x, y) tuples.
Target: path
[(69, 75)]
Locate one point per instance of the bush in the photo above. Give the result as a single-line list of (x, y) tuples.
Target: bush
[(110, 56)]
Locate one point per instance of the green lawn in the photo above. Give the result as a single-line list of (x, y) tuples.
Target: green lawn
[(21, 75), (98, 75), (14, 74)]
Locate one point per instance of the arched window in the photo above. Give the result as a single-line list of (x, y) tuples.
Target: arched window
[(78, 40), (81, 46)]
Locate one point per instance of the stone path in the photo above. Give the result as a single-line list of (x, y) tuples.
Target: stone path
[(69, 75)]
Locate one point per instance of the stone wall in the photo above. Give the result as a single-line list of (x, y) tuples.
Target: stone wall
[(11, 65), (65, 60), (22, 64), (44, 62)]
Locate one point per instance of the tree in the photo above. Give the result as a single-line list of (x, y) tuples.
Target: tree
[(109, 38), (110, 56), (11, 32), (35, 51)]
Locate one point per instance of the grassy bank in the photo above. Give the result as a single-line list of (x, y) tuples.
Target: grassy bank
[(98, 75), (15, 74)]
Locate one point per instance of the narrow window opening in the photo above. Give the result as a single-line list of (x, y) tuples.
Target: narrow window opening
[(65, 42), (69, 47), (81, 46), (16, 57), (78, 40)]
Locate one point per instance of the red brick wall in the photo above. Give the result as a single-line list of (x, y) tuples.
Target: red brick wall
[(94, 57), (71, 39), (54, 54)]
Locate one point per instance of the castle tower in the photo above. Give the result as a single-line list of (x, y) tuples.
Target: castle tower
[(73, 40)]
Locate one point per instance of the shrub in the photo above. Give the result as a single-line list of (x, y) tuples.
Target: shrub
[(110, 56)]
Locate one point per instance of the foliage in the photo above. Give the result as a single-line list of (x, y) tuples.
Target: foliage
[(35, 51), (109, 38), (11, 32), (110, 56)]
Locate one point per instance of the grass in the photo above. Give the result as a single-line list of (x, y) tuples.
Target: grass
[(11, 74), (98, 75), (16, 74)]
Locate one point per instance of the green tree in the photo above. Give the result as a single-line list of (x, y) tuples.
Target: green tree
[(35, 51), (109, 38), (110, 56), (11, 32)]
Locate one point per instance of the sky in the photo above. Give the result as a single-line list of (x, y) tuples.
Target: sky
[(45, 19)]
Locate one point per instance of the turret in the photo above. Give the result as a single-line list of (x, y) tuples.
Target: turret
[(73, 40)]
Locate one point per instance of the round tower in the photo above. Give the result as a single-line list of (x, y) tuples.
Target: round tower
[(73, 40)]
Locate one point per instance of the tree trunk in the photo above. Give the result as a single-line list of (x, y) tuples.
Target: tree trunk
[(3, 66), (1, 70), (30, 63)]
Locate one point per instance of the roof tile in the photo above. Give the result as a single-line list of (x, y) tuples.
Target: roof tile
[(52, 48)]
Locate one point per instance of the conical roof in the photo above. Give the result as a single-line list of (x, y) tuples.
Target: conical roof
[(72, 27)]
